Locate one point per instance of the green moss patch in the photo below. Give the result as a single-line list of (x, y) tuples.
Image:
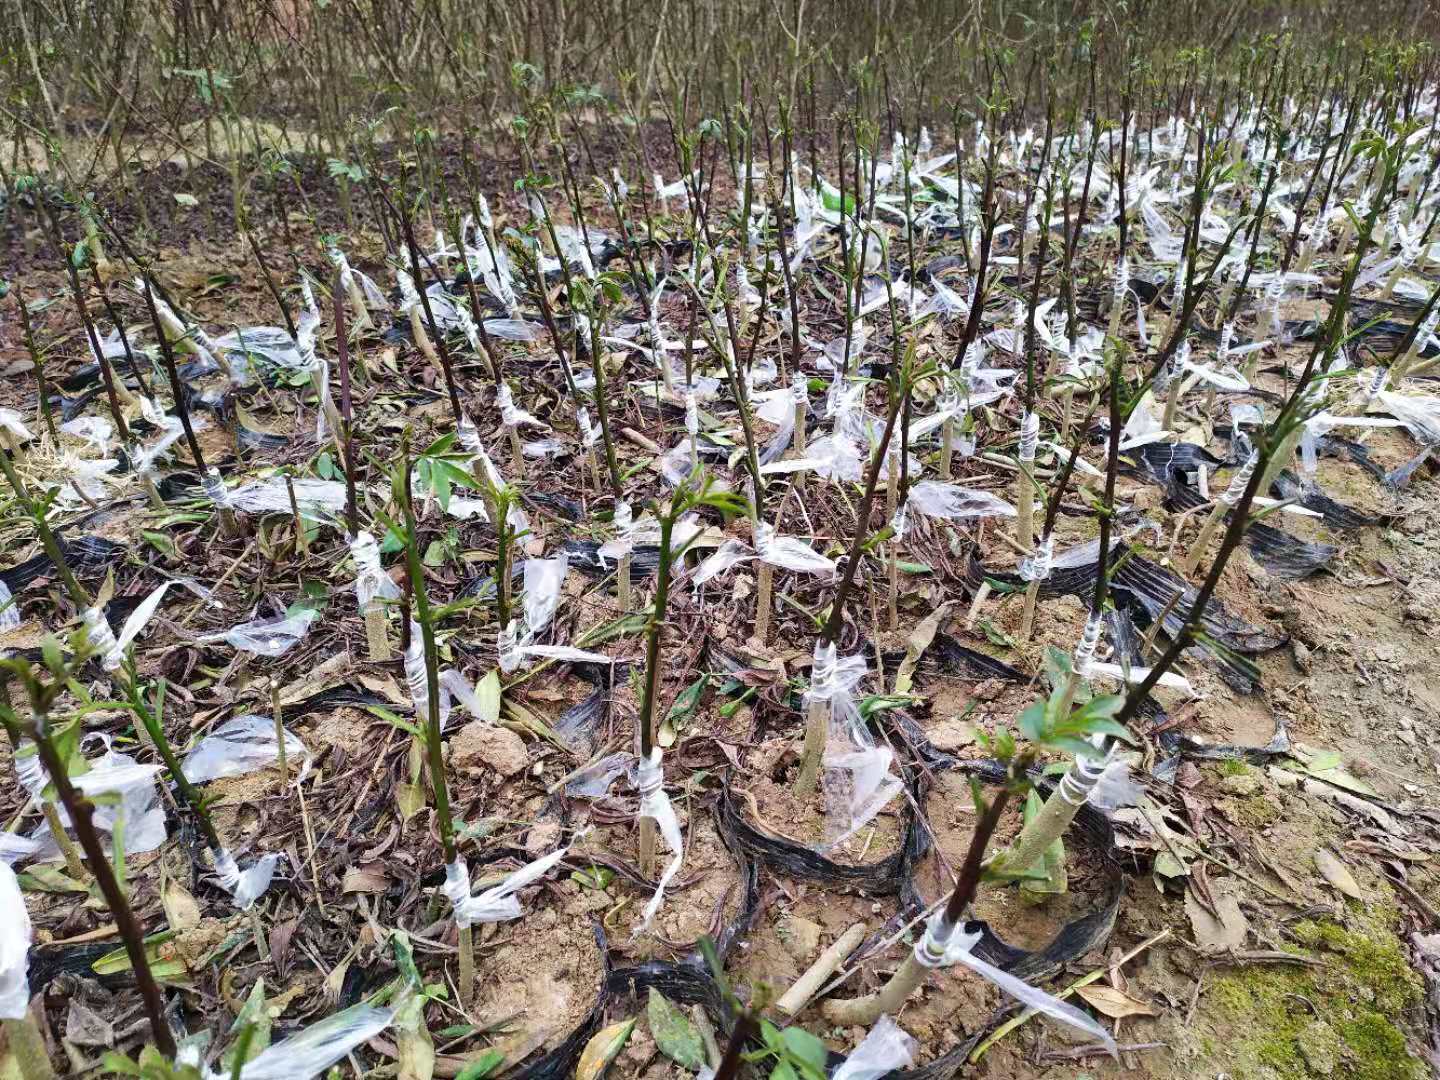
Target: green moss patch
[(1338, 1019)]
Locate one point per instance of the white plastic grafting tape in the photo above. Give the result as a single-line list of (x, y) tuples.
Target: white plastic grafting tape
[(1079, 780), (900, 523), (457, 890), (370, 577), (1089, 641), (1029, 436), (226, 870), (366, 552), (823, 673), (945, 945), (1164, 377), (1037, 566), (408, 296), (510, 416), (102, 638), (215, 489), (507, 647), (692, 414), (655, 804), (9, 609), (1274, 290), (1122, 279), (416, 678), (764, 535), (934, 946), (469, 436), (589, 434), (245, 886), (1427, 329), (1377, 382), (624, 528), (1238, 483)]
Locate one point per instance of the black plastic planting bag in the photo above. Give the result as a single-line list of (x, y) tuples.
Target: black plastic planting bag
[(83, 554), (1088, 933), (1157, 461), (688, 981), (1337, 515), (1286, 556), (884, 877), (585, 557), (1146, 589)]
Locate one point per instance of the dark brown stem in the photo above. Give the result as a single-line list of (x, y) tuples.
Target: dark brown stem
[(119, 329), (82, 817), (831, 633), (746, 1029), (968, 883), (654, 635), (107, 374), (1112, 467), (342, 348), (167, 357)]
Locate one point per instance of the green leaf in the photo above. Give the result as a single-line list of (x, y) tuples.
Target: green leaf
[(878, 703), (390, 718), (1000, 588), (673, 1033), (806, 1050), (117, 961), (596, 878), (160, 542), (255, 1017), (115, 1063), (405, 957), (314, 595), (1069, 744), (44, 878), (832, 200), (1032, 721), (435, 553), (995, 635), (624, 626), (1325, 765), (1102, 707), (681, 711), (484, 1065)]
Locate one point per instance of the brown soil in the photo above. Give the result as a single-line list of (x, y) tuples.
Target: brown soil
[(540, 975)]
